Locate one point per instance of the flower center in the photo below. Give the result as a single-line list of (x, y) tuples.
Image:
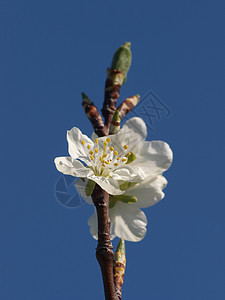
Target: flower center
[(105, 160)]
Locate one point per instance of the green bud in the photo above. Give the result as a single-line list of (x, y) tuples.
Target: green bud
[(130, 158), (85, 98), (90, 187), (116, 116), (122, 59), (115, 125), (120, 254)]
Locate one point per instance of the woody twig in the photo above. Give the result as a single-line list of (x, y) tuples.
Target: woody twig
[(127, 105), (116, 77), (93, 115), (111, 272)]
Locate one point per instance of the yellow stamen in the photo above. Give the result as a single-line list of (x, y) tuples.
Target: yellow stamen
[(118, 158), (88, 146), (124, 159), (82, 142), (116, 153), (116, 164), (105, 155), (103, 165), (125, 147), (105, 143), (108, 140), (107, 162), (96, 150), (92, 157), (111, 148), (128, 154), (91, 152), (96, 141)]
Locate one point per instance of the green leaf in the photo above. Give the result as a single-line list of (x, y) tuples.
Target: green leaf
[(112, 201), (126, 198), (90, 187), (126, 185)]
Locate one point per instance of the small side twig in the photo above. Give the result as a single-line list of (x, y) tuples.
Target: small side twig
[(119, 267), (127, 105), (93, 115)]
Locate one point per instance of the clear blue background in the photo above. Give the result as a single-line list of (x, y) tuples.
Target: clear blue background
[(50, 51)]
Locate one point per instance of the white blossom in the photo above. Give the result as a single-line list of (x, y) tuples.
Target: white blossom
[(107, 161)]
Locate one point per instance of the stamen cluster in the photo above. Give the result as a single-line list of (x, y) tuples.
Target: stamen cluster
[(105, 160)]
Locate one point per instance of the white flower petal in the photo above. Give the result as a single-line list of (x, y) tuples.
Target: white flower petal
[(108, 184), (75, 148), (81, 186), (70, 166), (129, 222), (127, 173), (153, 158), (93, 223), (148, 192), (132, 133), (94, 136)]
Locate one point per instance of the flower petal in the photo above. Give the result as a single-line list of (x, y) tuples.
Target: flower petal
[(75, 147), (148, 192), (153, 158), (132, 133), (70, 166), (93, 223), (108, 184), (129, 222), (81, 186), (127, 173)]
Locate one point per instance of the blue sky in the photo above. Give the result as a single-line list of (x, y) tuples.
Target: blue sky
[(51, 51)]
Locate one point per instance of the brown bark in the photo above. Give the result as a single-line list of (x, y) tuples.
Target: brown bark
[(104, 251), (113, 84), (94, 116)]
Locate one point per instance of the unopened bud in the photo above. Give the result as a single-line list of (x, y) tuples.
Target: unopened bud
[(122, 60)]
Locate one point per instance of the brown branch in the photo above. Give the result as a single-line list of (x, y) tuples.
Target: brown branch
[(104, 251), (127, 105), (113, 84), (93, 115)]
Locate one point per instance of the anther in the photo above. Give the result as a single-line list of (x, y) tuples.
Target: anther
[(82, 142), (115, 152), (111, 148), (116, 164), (88, 146), (91, 152), (118, 158), (108, 140), (124, 159), (96, 141), (96, 150), (125, 147), (92, 157)]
